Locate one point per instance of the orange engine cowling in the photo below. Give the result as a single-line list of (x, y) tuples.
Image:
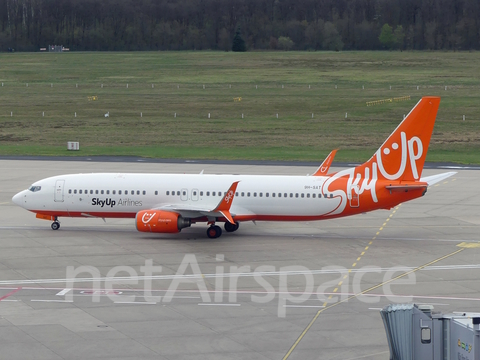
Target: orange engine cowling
[(159, 221)]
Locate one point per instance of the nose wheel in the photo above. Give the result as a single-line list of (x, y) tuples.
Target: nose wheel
[(55, 225), (214, 232)]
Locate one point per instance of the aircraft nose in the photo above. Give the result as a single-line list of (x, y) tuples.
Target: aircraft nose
[(19, 198)]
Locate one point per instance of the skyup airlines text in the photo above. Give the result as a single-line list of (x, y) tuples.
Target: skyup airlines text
[(111, 203)]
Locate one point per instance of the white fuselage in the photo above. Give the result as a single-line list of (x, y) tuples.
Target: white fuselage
[(123, 195)]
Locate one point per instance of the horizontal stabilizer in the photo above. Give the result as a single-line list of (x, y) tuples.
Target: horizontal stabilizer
[(405, 187), (431, 180)]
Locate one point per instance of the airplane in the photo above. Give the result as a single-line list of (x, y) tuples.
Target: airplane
[(168, 203)]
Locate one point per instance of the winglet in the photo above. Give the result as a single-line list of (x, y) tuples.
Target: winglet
[(224, 206), (323, 169)]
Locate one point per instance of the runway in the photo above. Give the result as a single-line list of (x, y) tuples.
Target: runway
[(96, 289)]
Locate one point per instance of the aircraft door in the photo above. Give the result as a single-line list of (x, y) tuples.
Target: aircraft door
[(195, 194), (184, 195), (354, 197), (58, 197)]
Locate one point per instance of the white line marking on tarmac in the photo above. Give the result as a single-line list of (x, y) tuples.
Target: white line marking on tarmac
[(434, 304), (230, 275), (136, 302), (63, 292), (217, 304), (375, 309), (8, 300), (186, 297), (303, 306), (57, 301)]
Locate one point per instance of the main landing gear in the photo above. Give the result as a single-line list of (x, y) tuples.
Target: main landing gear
[(229, 227), (55, 225), (215, 231)]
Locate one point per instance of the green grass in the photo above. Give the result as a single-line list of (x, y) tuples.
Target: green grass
[(178, 79)]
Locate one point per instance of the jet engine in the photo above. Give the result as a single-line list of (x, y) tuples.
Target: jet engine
[(159, 221)]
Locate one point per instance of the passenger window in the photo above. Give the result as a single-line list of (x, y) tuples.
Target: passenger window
[(91, 191), (108, 192), (178, 193), (236, 194), (75, 191), (144, 192), (208, 193), (86, 192), (195, 193), (303, 195), (69, 191), (132, 192), (156, 192), (79, 191), (285, 195), (296, 195), (248, 194), (273, 194), (113, 192), (313, 196), (138, 192), (213, 193), (319, 196), (119, 192), (254, 194), (201, 193), (261, 194), (96, 192), (331, 196), (243, 194), (101, 192), (184, 192)]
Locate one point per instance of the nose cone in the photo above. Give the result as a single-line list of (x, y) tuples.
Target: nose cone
[(19, 198)]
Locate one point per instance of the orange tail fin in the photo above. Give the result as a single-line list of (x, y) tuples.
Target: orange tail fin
[(402, 156)]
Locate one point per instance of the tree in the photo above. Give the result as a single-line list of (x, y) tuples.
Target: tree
[(238, 42), (386, 36), (224, 42), (332, 39), (399, 36), (285, 43)]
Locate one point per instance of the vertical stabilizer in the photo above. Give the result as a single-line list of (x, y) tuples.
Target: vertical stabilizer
[(402, 156)]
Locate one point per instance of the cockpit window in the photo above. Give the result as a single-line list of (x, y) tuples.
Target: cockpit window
[(35, 188)]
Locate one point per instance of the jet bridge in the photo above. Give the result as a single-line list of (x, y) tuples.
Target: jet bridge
[(415, 332)]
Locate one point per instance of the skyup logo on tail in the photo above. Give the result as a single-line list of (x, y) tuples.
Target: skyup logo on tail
[(399, 160)]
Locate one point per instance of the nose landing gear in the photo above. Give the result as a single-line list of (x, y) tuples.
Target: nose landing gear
[(56, 224)]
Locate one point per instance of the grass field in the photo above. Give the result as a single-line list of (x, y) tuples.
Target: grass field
[(291, 84)]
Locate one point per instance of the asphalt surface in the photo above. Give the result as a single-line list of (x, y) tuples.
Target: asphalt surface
[(268, 291)]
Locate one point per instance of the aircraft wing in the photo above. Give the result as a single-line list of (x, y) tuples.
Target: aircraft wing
[(192, 211), (433, 179)]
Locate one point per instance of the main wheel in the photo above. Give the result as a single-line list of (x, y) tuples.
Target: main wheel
[(55, 225), (229, 227), (214, 232)]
